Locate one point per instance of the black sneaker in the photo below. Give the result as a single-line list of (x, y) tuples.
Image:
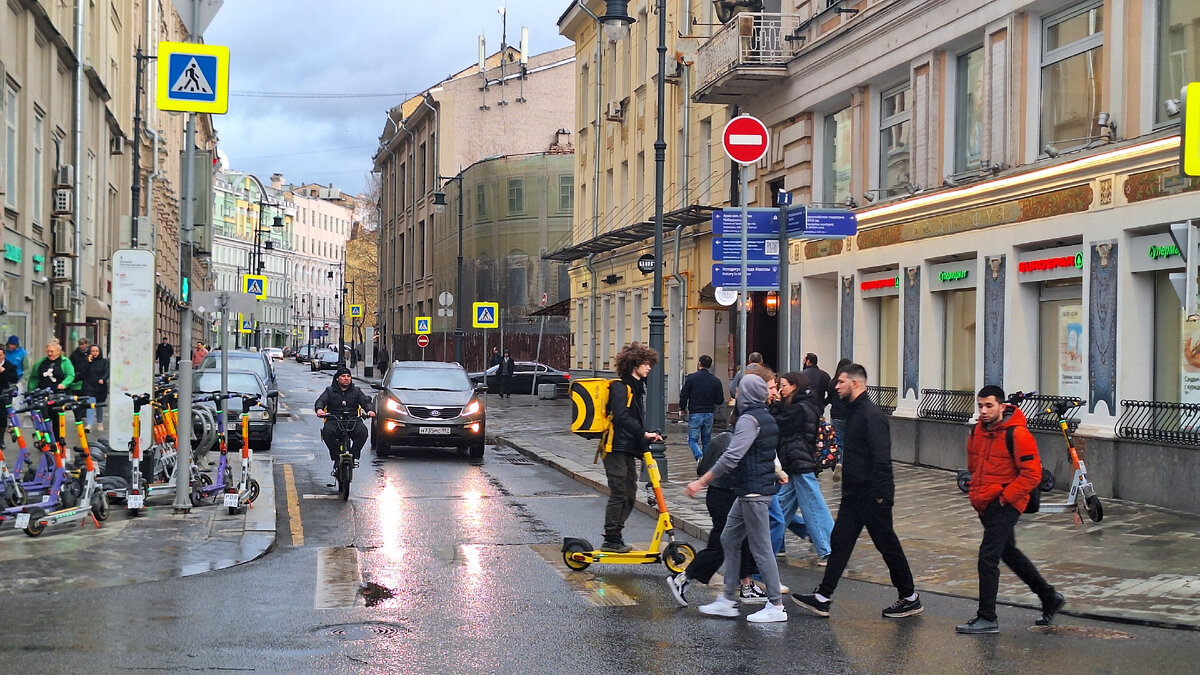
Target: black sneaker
[(902, 608), (812, 604), (678, 583), (617, 546), (978, 626), (1050, 607)]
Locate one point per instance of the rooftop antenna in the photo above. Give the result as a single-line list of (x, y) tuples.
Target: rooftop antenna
[(524, 62), (483, 72), (503, 50)]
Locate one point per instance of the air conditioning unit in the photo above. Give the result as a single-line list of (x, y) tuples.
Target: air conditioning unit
[(116, 145), (64, 176), (614, 111), (64, 238), (60, 269), (64, 201), (62, 297)]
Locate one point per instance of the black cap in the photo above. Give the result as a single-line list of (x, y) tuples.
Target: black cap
[(342, 371)]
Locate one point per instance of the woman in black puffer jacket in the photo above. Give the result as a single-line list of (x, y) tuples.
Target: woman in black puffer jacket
[(796, 414)]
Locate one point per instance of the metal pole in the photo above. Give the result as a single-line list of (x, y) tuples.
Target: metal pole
[(742, 295), (140, 60), (224, 300), (458, 316), (784, 310), (342, 316), (656, 401), (183, 462)]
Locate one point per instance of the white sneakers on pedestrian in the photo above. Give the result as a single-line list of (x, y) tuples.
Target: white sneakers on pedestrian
[(722, 606), (769, 614)]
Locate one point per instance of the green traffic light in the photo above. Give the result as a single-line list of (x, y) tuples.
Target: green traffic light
[(184, 289)]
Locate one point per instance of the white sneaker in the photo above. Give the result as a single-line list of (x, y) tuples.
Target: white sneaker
[(769, 614), (722, 606)]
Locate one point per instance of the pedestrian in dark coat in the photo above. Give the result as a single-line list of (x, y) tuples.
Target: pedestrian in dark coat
[(95, 384), (506, 370)]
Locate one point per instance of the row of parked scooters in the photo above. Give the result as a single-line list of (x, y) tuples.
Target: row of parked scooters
[(51, 483)]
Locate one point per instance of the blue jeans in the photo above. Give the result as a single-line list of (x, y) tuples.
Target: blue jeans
[(775, 520), (699, 432), (776, 517), (805, 493)]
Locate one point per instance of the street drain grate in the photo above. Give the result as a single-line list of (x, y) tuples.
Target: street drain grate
[(369, 630), (1081, 632), (514, 458)]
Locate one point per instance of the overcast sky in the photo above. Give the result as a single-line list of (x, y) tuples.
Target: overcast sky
[(309, 50)]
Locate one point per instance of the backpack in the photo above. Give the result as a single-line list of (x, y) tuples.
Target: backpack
[(590, 417), (1035, 497), (827, 446)]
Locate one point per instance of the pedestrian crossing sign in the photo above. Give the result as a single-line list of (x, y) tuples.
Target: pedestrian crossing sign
[(423, 325), (485, 315), (355, 311), (245, 325), (255, 285), (195, 78)]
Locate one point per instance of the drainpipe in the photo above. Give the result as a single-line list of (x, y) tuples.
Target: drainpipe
[(592, 318), (437, 139), (412, 204), (683, 303), (391, 319), (685, 83), (595, 177), (76, 314)]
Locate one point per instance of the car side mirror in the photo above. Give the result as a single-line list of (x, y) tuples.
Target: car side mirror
[(376, 386), (273, 393), (481, 387)]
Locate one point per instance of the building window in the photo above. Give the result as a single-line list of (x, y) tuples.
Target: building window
[(837, 157), (704, 166), (480, 201), (1178, 50), (1072, 75), (1062, 342), (968, 132), (39, 168), (959, 355), (10, 146), (889, 340), (895, 137), (566, 193), (517, 290), (516, 196)]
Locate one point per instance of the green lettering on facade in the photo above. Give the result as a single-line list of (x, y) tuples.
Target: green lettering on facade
[(956, 275)]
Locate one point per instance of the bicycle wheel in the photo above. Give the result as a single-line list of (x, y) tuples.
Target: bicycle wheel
[(345, 474)]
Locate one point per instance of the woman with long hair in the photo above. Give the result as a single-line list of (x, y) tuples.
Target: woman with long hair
[(797, 413)]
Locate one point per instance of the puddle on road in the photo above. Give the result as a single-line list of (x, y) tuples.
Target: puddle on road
[(373, 593)]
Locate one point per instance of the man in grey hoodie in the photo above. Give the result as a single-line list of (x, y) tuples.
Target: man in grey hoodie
[(750, 461)]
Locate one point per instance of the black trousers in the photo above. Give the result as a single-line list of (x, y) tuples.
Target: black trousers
[(164, 366), (333, 436), (621, 470), (856, 512), (506, 382), (709, 561), (999, 543)]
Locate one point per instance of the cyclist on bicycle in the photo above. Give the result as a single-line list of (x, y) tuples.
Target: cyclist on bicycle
[(342, 398)]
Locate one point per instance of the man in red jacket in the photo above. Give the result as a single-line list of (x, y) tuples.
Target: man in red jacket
[(1001, 482)]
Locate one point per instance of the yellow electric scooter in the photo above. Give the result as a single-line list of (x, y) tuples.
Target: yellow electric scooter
[(578, 553)]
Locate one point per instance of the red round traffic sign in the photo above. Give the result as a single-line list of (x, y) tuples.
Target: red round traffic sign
[(422, 341), (745, 139)]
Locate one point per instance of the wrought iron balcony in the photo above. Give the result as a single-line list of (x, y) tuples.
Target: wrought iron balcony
[(884, 397), (746, 55), (951, 405), (1160, 421)]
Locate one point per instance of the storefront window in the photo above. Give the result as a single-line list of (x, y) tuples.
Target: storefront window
[(959, 356), (889, 340), (1170, 341), (1178, 50), (1072, 74), (837, 157), (1062, 342)]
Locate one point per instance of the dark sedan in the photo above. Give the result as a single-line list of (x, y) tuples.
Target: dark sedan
[(323, 360), (523, 377), (428, 403), (262, 423)]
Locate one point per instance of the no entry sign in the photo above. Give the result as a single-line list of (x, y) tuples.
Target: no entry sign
[(422, 341), (745, 139)]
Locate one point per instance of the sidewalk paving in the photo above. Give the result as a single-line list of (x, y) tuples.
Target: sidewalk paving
[(1140, 564)]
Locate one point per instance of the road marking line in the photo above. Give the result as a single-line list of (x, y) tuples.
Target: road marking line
[(339, 578), (293, 503)]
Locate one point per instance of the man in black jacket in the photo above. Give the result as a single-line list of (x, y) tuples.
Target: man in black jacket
[(818, 381), (868, 492), (702, 392), (163, 353), (340, 399), (627, 404)]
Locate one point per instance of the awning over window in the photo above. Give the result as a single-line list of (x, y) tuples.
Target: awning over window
[(633, 234)]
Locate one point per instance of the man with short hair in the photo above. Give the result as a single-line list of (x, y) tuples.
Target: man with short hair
[(868, 492), (751, 359), (818, 381), (198, 354), (163, 353), (702, 392), (1002, 457)]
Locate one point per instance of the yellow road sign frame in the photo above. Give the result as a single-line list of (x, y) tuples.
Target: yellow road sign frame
[(219, 105), (242, 321), (494, 306), (426, 328), (246, 284), (356, 311)]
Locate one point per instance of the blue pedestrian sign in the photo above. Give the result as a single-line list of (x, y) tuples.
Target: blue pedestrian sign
[(485, 314), (729, 249), (255, 284), (422, 325), (759, 276), (761, 221), (195, 77), (812, 223)]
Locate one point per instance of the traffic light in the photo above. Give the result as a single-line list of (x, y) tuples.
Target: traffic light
[(184, 290)]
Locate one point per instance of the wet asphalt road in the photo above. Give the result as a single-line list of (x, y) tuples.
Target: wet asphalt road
[(439, 565)]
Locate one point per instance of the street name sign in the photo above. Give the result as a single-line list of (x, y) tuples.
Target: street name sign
[(760, 221), (759, 276), (810, 223), (728, 249)]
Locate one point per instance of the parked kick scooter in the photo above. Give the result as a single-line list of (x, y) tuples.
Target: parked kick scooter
[(578, 554), (205, 487), (135, 494), (247, 488), (27, 481), (1082, 494)]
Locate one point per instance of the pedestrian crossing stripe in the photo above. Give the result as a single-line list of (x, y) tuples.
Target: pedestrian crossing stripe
[(191, 80), (486, 315), (422, 325)]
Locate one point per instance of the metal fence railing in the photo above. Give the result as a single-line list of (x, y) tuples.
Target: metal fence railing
[(1161, 421), (1034, 407), (951, 405), (749, 39), (884, 397)]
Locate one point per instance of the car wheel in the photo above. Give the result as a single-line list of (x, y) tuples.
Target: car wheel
[(265, 444), (476, 450)]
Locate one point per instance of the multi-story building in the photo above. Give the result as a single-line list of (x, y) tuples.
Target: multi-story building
[(65, 174), (324, 217), (512, 105), (1011, 165)]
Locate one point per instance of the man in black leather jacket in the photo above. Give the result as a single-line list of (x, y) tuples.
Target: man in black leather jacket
[(627, 403), (339, 399)]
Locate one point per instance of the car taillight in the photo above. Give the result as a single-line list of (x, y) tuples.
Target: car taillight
[(567, 375)]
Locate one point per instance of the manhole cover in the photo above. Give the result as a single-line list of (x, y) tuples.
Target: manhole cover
[(369, 630), (1081, 632)]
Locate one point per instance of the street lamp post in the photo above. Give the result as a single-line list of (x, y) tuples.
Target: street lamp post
[(656, 403), (439, 206), (256, 253)]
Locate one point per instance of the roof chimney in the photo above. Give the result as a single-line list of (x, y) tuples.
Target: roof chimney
[(277, 181)]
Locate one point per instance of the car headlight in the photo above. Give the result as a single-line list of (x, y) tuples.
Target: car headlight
[(472, 408), (396, 406), (262, 415)]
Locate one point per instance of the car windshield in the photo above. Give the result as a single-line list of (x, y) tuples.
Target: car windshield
[(429, 379), (245, 361), (329, 356), (242, 383)]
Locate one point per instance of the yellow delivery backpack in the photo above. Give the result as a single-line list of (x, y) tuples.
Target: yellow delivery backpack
[(590, 417)]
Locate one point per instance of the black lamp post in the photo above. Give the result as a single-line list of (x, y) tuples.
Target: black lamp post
[(256, 253), (439, 206)]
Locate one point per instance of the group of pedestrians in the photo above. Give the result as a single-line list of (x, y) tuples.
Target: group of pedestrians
[(758, 476), (85, 372)]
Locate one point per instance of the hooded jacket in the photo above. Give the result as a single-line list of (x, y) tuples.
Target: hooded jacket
[(994, 472), (750, 459)]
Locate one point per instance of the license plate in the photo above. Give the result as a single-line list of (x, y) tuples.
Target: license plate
[(231, 499), (434, 431), (22, 521), (135, 501)]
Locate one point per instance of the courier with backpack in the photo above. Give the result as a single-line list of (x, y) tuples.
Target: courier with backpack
[(590, 416)]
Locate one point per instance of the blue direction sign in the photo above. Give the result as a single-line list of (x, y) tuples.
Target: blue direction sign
[(812, 223), (762, 221), (759, 277), (729, 249)]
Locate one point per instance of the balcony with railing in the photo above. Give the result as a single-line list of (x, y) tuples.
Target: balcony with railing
[(884, 397), (1160, 422), (745, 56)]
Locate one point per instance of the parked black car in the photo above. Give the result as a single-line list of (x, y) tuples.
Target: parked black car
[(428, 403), (523, 377), (262, 419), (322, 360), (256, 362)]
